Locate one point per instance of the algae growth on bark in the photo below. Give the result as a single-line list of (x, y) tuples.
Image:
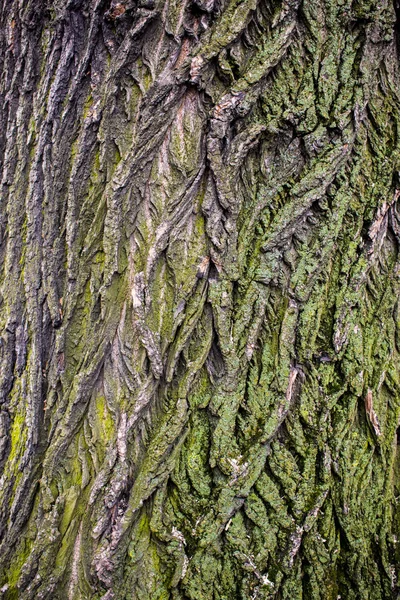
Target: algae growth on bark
[(199, 299)]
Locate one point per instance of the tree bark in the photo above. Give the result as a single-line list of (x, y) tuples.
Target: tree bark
[(199, 308)]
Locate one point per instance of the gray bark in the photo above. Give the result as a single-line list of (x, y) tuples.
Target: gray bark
[(199, 299)]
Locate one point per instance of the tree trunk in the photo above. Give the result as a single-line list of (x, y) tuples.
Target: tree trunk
[(199, 309)]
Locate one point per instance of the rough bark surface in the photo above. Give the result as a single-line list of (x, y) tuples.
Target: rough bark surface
[(199, 310)]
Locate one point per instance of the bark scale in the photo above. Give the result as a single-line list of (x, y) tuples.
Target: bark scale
[(199, 302)]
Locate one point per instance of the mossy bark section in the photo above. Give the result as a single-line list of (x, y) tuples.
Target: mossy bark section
[(199, 300)]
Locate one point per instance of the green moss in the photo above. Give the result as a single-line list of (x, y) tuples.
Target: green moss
[(18, 436), (14, 571)]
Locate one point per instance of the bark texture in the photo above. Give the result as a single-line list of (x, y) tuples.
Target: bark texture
[(199, 309)]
